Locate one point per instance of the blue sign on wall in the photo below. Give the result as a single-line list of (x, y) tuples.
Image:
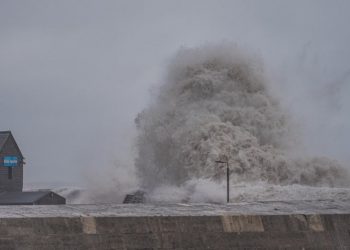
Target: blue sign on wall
[(10, 161)]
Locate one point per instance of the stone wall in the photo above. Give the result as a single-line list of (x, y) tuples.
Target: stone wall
[(294, 231)]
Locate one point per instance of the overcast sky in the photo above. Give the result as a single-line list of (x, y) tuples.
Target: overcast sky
[(74, 74)]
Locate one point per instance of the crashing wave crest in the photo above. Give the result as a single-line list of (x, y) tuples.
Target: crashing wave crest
[(215, 103)]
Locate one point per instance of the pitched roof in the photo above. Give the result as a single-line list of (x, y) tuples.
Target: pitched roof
[(22, 198), (4, 135)]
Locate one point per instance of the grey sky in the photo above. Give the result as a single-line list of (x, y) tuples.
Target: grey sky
[(73, 74)]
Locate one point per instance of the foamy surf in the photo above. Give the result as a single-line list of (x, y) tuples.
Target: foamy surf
[(216, 102)]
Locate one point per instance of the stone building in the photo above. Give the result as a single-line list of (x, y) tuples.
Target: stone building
[(11, 177), (12, 160)]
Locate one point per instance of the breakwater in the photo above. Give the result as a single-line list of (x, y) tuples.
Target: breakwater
[(255, 225)]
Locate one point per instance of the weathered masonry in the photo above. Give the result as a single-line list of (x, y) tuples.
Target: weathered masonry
[(12, 160), (248, 226)]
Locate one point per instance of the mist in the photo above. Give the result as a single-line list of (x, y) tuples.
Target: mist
[(74, 75), (216, 103)]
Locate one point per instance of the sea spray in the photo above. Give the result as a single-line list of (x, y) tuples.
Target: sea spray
[(216, 102)]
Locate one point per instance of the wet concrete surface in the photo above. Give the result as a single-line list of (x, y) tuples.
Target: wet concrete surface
[(198, 209)]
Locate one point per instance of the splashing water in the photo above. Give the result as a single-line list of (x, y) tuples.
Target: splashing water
[(216, 102)]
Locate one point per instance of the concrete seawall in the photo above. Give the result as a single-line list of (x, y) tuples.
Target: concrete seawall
[(273, 225)]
